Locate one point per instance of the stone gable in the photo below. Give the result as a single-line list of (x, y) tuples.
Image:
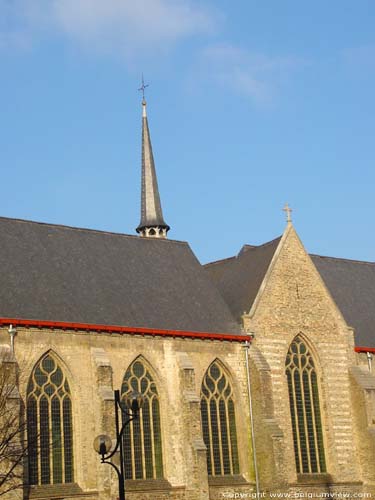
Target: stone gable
[(293, 300)]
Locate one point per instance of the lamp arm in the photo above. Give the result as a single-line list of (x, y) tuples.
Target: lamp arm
[(120, 436), (104, 461)]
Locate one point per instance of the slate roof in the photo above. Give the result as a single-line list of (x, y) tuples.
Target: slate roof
[(217, 269), (238, 278), (58, 273), (352, 286)]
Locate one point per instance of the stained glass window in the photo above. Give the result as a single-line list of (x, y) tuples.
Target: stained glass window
[(305, 409), (143, 457), (49, 424), (219, 422)]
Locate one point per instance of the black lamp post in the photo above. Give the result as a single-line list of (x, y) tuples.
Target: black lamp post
[(129, 406)]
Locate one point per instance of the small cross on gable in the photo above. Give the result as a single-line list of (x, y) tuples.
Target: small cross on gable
[(288, 212)]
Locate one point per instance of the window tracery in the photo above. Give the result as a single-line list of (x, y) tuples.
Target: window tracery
[(305, 409), (143, 458), (49, 424), (219, 422)]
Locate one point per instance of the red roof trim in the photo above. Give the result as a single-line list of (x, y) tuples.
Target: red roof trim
[(124, 329), (365, 349)]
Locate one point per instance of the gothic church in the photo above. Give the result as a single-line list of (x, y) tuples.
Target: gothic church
[(256, 370)]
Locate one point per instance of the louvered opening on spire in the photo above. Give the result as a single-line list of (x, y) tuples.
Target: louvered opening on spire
[(152, 221)]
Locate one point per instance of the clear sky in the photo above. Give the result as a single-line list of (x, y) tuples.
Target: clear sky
[(251, 104)]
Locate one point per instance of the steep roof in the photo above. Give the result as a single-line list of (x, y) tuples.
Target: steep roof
[(217, 268), (238, 279), (59, 273), (352, 285)]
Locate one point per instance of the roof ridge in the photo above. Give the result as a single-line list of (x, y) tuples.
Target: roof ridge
[(269, 242), (343, 259), (247, 245), (64, 226), (256, 247), (214, 262), (250, 247)]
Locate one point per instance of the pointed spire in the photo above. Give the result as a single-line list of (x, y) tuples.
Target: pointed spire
[(152, 222)]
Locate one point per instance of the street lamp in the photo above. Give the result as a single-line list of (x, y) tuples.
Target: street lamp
[(129, 406)]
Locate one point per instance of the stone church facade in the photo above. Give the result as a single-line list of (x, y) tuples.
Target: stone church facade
[(256, 370)]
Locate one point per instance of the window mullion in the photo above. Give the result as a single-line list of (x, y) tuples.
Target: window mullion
[(211, 447), (318, 445), (300, 373), (132, 448), (217, 401), (295, 409), (38, 457), (152, 439), (62, 438), (50, 441), (229, 437), (143, 451)]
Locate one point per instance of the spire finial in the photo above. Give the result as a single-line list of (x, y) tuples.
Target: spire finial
[(142, 89), (288, 212)]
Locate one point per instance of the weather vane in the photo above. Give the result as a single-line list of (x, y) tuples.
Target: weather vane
[(143, 87), (288, 211)]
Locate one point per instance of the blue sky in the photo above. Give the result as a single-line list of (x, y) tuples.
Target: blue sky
[(251, 104)]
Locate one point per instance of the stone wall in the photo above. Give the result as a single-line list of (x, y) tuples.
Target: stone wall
[(95, 364)]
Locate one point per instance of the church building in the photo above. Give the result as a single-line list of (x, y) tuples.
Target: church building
[(256, 371)]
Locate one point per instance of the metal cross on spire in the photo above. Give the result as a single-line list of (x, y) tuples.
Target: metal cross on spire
[(143, 87), (288, 212)]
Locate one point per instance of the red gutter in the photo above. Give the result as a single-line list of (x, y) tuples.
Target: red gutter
[(124, 329), (365, 349), (137, 331)]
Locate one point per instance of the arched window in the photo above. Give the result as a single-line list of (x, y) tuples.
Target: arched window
[(49, 424), (305, 409), (219, 422), (143, 457)]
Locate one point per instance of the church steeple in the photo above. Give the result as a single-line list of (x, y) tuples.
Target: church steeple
[(152, 222)]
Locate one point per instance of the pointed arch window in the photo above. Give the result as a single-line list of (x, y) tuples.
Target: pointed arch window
[(219, 422), (305, 409), (143, 457), (49, 424)]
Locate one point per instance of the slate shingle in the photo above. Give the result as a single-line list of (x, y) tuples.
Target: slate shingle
[(352, 285), (59, 273), (238, 279)]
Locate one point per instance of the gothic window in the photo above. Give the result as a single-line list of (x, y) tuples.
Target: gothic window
[(49, 424), (305, 409), (142, 437), (219, 422)]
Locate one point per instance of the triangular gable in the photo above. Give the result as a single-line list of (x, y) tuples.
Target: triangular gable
[(292, 293)]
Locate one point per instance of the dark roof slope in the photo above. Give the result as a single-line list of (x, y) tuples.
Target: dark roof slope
[(238, 279), (217, 268), (58, 273), (352, 285)]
